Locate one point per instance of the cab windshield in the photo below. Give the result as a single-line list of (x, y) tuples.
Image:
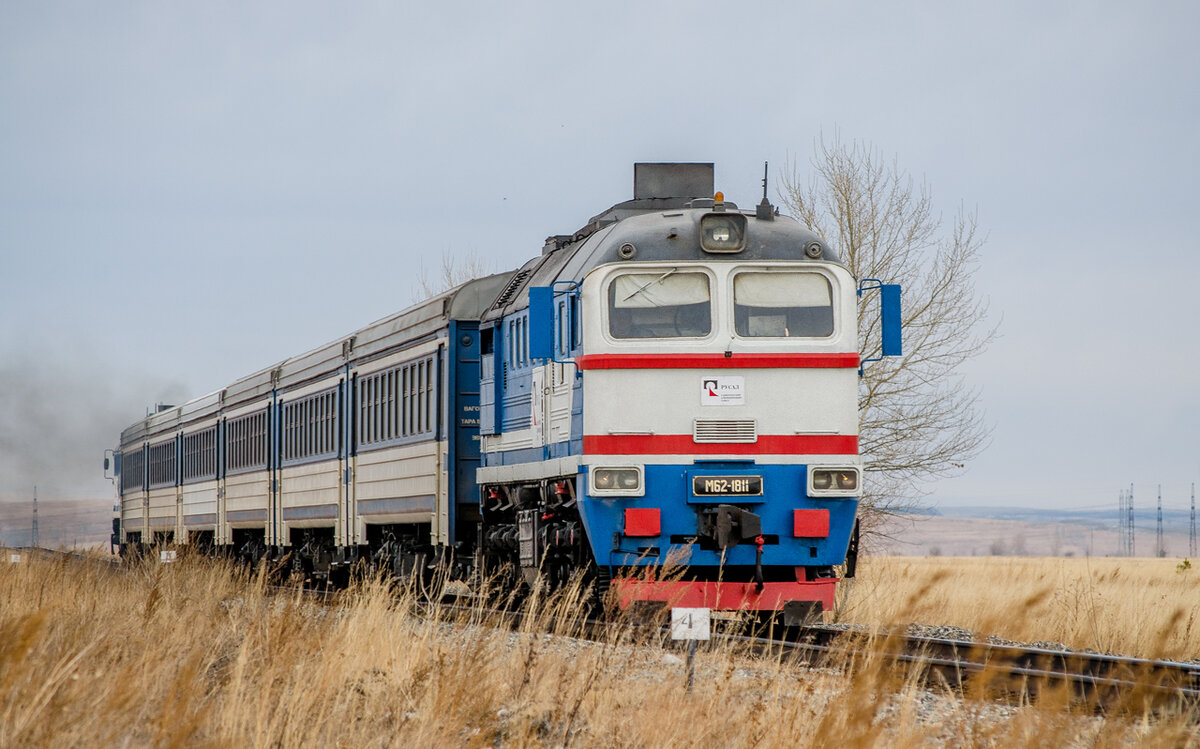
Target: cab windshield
[(782, 304), (661, 304)]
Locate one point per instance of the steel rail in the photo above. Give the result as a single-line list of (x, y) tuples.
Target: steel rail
[(1103, 679)]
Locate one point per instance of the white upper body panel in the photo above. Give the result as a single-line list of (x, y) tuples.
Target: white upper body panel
[(736, 379)]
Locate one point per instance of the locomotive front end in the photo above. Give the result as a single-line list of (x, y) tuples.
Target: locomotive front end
[(720, 457)]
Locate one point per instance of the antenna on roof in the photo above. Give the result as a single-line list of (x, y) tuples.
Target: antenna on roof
[(765, 211)]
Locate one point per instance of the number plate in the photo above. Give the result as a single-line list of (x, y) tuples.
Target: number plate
[(727, 486)]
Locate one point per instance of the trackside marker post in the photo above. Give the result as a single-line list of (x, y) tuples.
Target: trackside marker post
[(14, 558), (692, 625)]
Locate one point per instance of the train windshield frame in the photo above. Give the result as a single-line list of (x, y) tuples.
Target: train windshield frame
[(670, 303), (778, 303)]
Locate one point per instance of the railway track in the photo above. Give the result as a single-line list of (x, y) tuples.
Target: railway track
[(979, 668), (1105, 681)]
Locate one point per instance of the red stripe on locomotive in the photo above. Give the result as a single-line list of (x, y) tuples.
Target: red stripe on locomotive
[(684, 444), (717, 361)]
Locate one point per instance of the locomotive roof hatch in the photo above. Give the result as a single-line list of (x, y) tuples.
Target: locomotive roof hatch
[(663, 187), (666, 181)]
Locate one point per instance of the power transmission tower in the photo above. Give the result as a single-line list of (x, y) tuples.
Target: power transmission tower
[(34, 541), (1159, 549), (1192, 530)]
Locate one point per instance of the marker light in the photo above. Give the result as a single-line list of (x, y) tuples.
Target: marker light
[(834, 482), (846, 479), (617, 481)]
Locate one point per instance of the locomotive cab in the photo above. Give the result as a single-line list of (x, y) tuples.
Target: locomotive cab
[(719, 372)]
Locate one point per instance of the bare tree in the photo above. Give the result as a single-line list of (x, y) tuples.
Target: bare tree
[(919, 420), (455, 270)]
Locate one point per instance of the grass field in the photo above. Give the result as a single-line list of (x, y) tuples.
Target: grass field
[(1137, 607), (199, 654)]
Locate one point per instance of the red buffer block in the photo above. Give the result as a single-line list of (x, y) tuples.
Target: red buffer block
[(642, 521), (810, 523)]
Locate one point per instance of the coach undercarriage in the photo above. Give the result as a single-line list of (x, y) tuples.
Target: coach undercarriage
[(525, 531)]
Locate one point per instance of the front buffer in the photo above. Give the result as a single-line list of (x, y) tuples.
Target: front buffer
[(726, 535)]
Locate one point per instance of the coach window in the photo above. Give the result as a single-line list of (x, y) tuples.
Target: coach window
[(246, 439), (782, 304), (200, 455), (133, 469), (162, 465), (664, 304)]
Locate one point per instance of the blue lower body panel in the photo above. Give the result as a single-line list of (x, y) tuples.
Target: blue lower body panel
[(623, 532)]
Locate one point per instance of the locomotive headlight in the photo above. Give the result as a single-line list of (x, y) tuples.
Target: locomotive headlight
[(822, 479), (723, 232), (617, 481), (833, 482)]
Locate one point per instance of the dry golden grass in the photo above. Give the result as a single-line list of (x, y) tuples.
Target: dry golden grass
[(200, 654), (1138, 607)]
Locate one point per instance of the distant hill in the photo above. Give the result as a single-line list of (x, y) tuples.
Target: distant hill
[(1019, 532), (1145, 517)]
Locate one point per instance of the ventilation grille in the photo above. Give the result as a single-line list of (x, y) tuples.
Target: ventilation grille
[(725, 430), (511, 289)]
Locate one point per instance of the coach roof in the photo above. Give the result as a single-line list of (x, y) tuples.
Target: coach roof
[(421, 321)]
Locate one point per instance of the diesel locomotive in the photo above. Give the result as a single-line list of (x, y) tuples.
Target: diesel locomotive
[(673, 386)]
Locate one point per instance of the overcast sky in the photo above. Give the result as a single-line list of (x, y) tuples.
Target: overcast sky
[(192, 192)]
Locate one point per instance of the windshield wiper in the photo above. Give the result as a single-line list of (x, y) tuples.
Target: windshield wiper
[(649, 284)]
